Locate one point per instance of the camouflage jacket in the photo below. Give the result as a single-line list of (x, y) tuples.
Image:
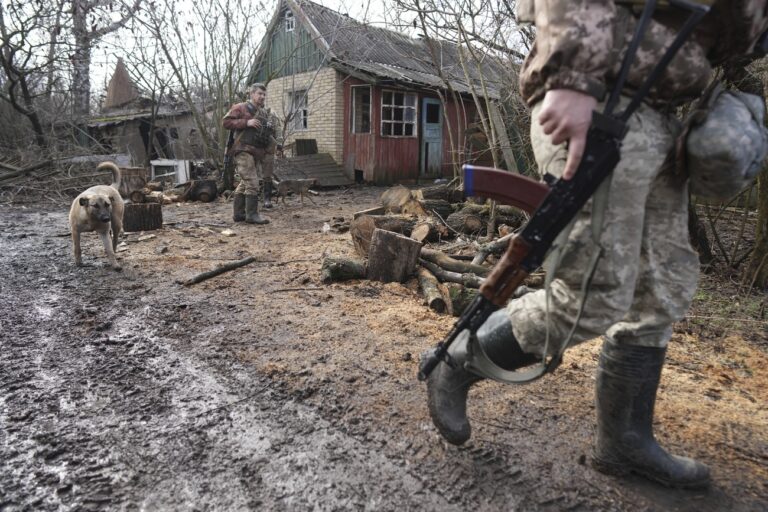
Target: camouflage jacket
[(248, 139), (579, 43)]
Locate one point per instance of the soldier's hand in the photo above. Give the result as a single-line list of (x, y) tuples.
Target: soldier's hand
[(565, 116), (253, 123)]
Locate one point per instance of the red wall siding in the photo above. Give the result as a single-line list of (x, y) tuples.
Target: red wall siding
[(386, 160)]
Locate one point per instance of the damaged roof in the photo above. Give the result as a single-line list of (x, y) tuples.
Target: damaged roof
[(380, 55)]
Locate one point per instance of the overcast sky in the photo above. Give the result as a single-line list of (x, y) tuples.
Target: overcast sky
[(105, 57)]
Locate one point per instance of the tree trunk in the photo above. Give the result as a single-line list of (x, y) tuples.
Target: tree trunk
[(466, 222), (362, 228), (756, 273), (142, 217), (698, 235), (342, 269), (431, 289), (392, 257), (469, 280)]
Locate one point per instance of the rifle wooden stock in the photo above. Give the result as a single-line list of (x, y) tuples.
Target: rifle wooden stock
[(507, 274)]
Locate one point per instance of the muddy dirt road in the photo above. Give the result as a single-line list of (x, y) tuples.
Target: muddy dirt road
[(265, 389)]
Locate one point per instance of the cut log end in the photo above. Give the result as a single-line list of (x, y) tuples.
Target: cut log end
[(142, 217)]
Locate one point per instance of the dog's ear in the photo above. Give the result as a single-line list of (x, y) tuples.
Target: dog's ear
[(83, 201)]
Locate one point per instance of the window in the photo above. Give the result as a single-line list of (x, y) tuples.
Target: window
[(398, 114), (361, 109), (299, 111), (290, 21)]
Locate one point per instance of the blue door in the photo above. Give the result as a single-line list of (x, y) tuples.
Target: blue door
[(431, 137)]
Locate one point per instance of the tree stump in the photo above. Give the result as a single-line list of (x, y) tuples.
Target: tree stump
[(392, 257), (395, 198), (466, 222), (142, 217), (342, 269), (131, 179), (460, 297), (361, 229)]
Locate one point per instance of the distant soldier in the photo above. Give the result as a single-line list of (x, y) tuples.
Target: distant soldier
[(254, 146)]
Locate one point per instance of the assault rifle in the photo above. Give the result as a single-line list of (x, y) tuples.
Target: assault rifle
[(557, 205)]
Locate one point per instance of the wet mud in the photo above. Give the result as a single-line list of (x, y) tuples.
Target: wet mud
[(264, 389)]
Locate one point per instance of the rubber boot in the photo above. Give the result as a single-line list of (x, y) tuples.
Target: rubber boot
[(268, 193), (252, 210), (238, 207), (448, 386), (627, 379)]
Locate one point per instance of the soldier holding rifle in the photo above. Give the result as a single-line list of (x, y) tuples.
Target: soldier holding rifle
[(624, 269)]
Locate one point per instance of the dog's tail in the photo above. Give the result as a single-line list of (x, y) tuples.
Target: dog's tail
[(115, 173)]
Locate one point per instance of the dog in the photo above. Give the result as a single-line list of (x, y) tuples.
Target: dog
[(300, 187), (100, 209)]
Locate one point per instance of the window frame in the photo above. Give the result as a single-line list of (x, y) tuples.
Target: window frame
[(300, 122), (353, 110), (404, 107), (290, 21)]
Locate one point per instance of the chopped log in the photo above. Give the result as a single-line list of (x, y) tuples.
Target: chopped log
[(201, 190), (469, 280), (448, 192), (142, 216), (336, 269), (431, 289), (219, 270), (395, 198), (392, 257), (460, 297), (137, 196), (361, 229), (429, 230), (448, 263), (438, 207), (376, 210), (132, 179), (466, 222)]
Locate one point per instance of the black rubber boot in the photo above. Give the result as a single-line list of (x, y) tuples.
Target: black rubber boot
[(627, 380), (448, 387), (238, 207), (252, 210), (268, 193)]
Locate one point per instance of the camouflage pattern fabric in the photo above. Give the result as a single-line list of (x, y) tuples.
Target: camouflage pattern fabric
[(648, 273), (248, 168), (579, 43), (726, 151)]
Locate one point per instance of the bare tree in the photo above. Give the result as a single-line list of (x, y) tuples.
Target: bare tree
[(91, 21)]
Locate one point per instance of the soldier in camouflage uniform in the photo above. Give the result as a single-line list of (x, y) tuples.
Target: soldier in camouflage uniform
[(254, 125), (648, 273)]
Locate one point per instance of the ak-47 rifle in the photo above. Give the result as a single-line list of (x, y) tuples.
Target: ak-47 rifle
[(557, 205)]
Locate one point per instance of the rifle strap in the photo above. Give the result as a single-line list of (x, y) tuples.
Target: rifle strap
[(479, 363)]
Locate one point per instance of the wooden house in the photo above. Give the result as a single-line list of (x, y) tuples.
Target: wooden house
[(388, 108)]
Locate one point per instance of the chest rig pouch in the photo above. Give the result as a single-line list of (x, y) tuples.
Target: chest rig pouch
[(260, 137)]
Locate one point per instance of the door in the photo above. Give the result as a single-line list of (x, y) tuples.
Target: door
[(431, 137)]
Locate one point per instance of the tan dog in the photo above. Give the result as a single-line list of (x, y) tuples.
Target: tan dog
[(99, 209), (300, 187)]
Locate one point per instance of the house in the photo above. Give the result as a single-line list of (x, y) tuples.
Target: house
[(127, 118), (372, 98)]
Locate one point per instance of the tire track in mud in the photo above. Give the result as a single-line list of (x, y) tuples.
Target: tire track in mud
[(100, 409)]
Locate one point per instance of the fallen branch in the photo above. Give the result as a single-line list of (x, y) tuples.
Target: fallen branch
[(468, 280), (495, 247), (448, 263), (220, 270)]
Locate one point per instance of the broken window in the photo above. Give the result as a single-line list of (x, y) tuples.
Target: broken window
[(398, 114), (290, 21), (361, 109), (299, 112)]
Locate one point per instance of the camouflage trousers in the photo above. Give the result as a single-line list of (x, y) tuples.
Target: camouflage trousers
[(252, 170), (648, 272)]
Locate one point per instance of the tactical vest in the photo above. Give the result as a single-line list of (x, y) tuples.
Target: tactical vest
[(260, 137)]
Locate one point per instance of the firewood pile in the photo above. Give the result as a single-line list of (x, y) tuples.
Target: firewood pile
[(449, 245)]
